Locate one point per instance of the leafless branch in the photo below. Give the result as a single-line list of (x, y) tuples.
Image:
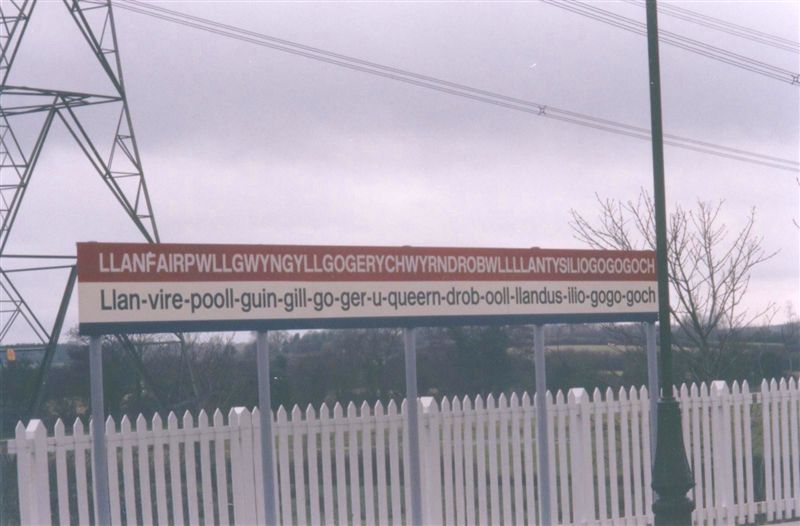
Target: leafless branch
[(709, 270)]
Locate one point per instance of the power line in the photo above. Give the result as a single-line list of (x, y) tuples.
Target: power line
[(727, 27), (450, 88), (695, 46)]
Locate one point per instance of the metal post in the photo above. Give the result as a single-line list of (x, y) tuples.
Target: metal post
[(102, 508), (652, 383), (542, 446), (52, 344), (672, 476), (409, 337), (265, 414)]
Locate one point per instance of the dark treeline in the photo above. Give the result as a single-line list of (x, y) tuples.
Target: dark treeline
[(368, 365)]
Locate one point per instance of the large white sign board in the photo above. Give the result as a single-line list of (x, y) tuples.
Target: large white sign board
[(175, 287)]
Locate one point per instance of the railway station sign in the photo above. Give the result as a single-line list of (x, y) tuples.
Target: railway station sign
[(124, 287)]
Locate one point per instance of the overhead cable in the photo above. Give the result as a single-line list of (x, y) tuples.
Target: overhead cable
[(724, 26), (667, 37), (450, 88)]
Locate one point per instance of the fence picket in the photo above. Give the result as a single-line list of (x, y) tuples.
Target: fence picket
[(794, 400), (432, 484), (577, 469), (380, 464), (241, 513), (738, 454), (776, 447), (355, 479), (598, 409), (786, 462), (480, 454), (647, 462), (251, 463), (724, 480), (766, 418), (688, 410), (204, 434), (298, 430), (447, 461), (708, 452), (516, 460), (175, 468), (748, 447), (326, 426), (112, 441), (505, 464), (686, 424), (191, 468), (636, 446), (394, 462), (625, 451), (727, 456), (561, 410), (252, 474), (550, 405), (282, 458), (127, 471), (584, 430), (159, 469), (61, 472), (494, 492), (288, 429), (715, 410), (366, 456), (469, 460), (406, 460), (312, 456), (612, 408), (143, 461), (529, 454), (36, 435), (220, 468), (81, 481), (25, 485), (696, 455), (341, 479), (458, 461)]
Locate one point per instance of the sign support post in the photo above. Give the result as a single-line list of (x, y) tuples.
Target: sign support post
[(409, 337), (102, 508), (265, 415), (542, 445)]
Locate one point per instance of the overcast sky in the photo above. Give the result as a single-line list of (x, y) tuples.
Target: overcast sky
[(249, 145)]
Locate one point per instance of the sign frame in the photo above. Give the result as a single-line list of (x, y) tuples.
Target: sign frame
[(91, 273)]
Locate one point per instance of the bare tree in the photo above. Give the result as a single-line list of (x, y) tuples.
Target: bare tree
[(709, 272)]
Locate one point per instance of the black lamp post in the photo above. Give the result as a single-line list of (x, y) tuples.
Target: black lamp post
[(672, 476)]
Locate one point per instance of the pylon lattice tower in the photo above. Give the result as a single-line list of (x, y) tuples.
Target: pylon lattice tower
[(121, 169)]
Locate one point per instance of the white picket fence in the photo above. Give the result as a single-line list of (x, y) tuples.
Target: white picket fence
[(478, 462)]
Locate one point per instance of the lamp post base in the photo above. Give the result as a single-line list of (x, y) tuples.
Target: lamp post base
[(673, 512), (672, 476)]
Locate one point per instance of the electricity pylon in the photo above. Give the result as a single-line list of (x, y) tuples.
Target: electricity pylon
[(120, 169)]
